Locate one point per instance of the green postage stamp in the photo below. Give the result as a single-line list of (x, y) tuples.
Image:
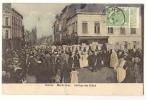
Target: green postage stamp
[(134, 17), (122, 17)]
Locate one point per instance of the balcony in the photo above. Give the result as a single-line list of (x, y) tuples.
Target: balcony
[(74, 35)]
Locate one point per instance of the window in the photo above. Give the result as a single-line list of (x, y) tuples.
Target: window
[(125, 45), (73, 27), (122, 30), (12, 31), (84, 27), (16, 21), (12, 20), (96, 27), (6, 20), (7, 33), (73, 31), (76, 26), (134, 44), (20, 23), (60, 27), (110, 30), (133, 30), (117, 45)]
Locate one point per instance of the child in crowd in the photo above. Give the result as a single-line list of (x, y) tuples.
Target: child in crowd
[(74, 76), (58, 77)]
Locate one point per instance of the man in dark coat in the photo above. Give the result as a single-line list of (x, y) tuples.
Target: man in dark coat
[(104, 58), (32, 66), (53, 62), (99, 60), (92, 59), (45, 71), (76, 60), (39, 71), (129, 72), (65, 73), (141, 64), (60, 58), (108, 58), (59, 62), (70, 61), (23, 63)]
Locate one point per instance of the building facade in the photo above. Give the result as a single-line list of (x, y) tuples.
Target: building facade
[(34, 35), (6, 26), (60, 27), (6, 21), (12, 28), (16, 24), (30, 37), (87, 24)]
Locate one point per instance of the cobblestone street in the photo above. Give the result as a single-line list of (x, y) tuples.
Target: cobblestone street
[(105, 75)]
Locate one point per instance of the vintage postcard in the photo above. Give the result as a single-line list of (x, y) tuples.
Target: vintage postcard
[(72, 48)]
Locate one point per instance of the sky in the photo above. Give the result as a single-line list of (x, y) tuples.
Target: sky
[(39, 15)]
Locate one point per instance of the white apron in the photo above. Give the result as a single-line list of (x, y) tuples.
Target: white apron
[(121, 72)]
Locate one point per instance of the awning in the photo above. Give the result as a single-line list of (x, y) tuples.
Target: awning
[(92, 37)]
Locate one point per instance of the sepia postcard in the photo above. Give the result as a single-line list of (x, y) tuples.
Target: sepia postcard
[(73, 48)]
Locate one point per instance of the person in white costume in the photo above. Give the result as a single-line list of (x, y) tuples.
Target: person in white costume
[(121, 72), (53, 48), (81, 59), (84, 59)]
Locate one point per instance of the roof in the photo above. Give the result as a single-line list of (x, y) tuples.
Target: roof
[(99, 8), (64, 8), (17, 12), (78, 8)]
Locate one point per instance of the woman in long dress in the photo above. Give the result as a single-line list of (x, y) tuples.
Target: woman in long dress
[(81, 59), (121, 71), (85, 60), (76, 60), (113, 59)]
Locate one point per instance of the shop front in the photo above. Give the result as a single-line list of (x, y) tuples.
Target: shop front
[(90, 39)]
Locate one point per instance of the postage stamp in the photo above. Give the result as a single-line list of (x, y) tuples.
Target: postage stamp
[(117, 16), (134, 17), (122, 17)]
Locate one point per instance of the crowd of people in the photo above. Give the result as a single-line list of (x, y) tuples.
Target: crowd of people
[(60, 64)]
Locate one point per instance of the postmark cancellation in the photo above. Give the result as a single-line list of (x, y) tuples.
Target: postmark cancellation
[(122, 17)]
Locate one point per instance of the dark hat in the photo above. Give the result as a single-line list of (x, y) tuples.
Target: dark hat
[(122, 55)]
